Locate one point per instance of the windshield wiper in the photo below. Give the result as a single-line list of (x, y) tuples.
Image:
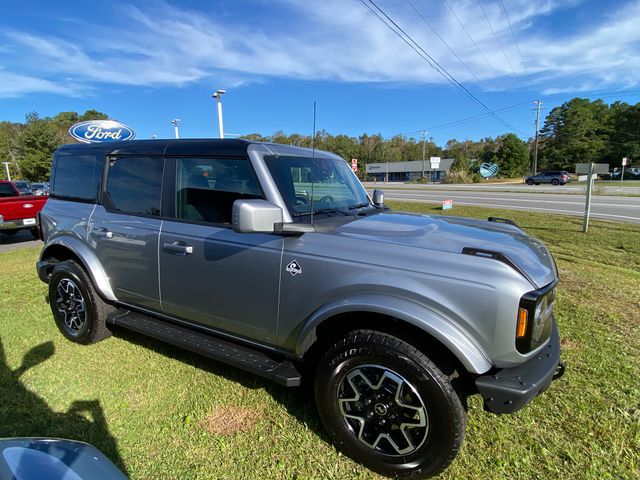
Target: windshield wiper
[(331, 210), (361, 205)]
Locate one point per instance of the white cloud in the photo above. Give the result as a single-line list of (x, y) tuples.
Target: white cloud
[(333, 40), (13, 85)]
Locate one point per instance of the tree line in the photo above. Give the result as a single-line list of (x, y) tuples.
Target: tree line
[(578, 131)]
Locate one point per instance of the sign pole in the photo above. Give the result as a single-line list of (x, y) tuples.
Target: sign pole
[(624, 162), (587, 205)]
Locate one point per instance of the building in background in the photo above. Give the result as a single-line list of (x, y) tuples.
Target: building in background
[(407, 171)]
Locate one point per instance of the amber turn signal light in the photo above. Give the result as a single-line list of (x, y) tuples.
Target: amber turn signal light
[(522, 323)]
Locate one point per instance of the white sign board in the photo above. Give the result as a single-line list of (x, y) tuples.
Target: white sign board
[(434, 162), (624, 162), (600, 168)]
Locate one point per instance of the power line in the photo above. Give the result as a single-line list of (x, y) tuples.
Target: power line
[(495, 35), (444, 42), (406, 38), (513, 34), (471, 38), (460, 121)]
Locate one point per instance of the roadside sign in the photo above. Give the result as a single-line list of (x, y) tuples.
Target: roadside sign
[(624, 162), (488, 170), (599, 168), (354, 164), (434, 163), (447, 204)]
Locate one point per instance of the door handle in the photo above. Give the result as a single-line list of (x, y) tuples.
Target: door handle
[(104, 233), (177, 248)]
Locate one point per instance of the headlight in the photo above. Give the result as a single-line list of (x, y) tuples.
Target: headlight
[(535, 318)]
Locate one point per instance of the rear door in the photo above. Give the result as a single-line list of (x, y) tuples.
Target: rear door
[(124, 230), (210, 274)]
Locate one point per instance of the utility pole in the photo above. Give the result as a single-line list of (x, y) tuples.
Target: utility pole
[(534, 167), (424, 134), (175, 122), (6, 166)]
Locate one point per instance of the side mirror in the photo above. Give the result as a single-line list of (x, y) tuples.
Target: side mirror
[(255, 216), (378, 197)]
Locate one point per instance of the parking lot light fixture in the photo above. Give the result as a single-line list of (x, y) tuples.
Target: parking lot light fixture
[(218, 96)]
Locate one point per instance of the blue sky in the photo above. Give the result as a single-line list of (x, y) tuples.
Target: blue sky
[(147, 62)]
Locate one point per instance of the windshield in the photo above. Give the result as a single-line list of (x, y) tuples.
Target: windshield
[(23, 186), (327, 183)]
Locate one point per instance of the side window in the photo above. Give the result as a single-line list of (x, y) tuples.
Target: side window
[(6, 190), (207, 187), (76, 177), (134, 185)]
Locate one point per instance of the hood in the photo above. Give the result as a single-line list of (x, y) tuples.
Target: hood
[(455, 234)]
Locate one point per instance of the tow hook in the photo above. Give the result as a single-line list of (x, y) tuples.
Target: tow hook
[(559, 371)]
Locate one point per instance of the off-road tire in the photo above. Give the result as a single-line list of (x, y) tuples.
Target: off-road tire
[(363, 351), (69, 279)]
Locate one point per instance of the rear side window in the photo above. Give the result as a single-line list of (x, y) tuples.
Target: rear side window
[(134, 185), (6, 190), (76, 177)]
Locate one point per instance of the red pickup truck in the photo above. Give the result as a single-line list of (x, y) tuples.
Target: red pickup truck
[(19, 212)]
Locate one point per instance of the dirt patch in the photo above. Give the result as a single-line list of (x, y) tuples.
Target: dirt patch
[(231, 420)]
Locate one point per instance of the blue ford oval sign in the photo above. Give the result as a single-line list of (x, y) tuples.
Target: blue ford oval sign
[(100, 131), (488, 170)]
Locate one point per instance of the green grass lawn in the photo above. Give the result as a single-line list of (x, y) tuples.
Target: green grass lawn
[(159, 412)]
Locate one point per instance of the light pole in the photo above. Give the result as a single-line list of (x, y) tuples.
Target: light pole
[(218, 96), (175, 122), (6, 166)]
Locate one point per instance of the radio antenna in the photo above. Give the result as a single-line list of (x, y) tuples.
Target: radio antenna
[(313, 156)]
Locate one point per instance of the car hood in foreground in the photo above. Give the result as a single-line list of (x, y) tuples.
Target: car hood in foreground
[(453, 234)]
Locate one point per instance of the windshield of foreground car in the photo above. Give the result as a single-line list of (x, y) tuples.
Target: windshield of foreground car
[(327, 183)]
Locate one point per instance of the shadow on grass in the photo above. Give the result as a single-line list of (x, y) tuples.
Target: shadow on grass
[(299, 401), (25, 414)]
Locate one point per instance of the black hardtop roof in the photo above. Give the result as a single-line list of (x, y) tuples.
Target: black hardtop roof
[(188, 146)]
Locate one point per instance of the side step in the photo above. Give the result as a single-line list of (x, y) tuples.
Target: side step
[(246, 358)]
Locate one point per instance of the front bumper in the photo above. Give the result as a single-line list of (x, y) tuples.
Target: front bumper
[(507, 390)]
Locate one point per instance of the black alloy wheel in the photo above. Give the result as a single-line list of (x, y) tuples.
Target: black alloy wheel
[(388, 406), (78, 310)]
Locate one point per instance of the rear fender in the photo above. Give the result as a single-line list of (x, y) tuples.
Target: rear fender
[(450, 335), (87, 258)]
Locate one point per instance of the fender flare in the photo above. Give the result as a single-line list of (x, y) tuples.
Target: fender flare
[(89, 261), (448, 333)]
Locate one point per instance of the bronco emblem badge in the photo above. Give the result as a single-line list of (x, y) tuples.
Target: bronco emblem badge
[(294, 268)]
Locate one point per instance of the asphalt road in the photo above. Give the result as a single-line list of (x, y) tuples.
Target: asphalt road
[(22, 239), (620, 208)]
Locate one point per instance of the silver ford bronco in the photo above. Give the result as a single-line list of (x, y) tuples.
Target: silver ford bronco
[(275, 260)]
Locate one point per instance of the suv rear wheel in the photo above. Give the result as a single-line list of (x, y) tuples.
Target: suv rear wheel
[(555, 182), (79, 312), (389, 407)]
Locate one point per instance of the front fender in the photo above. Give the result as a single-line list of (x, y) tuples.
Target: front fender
[(87, 258), (454, 338)]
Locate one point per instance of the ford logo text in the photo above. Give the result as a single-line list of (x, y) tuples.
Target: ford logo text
[(100, 131)]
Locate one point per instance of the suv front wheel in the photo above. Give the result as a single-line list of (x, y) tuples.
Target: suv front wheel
[(79, 312), (389, 407)]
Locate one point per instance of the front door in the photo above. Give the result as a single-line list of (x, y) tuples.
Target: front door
[(210, 274)]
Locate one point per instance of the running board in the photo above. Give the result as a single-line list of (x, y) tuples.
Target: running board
[(251, 360)]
